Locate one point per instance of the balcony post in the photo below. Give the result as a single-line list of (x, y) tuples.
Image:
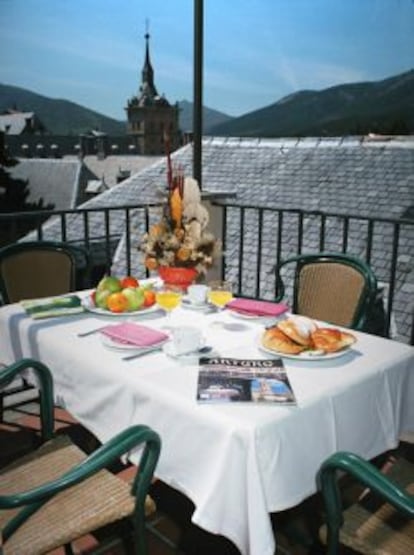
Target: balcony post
[(216, 225), (198, 91)]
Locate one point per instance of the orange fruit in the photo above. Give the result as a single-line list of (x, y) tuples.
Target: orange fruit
[(149, 298), (129, 281), (117, 302)]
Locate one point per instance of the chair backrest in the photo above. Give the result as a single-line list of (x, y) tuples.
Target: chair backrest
[(45, 384), (334, 288), (38, 269), (35, 490), (380, 522)]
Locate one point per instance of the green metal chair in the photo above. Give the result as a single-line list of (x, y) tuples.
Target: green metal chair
[(36, 269), (380, 523), (331, 287), (57, 494)]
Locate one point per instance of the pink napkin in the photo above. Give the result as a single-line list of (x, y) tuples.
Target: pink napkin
[(257, 308), (134, 334)]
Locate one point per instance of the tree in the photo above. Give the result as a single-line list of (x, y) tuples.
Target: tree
[(13, 198)]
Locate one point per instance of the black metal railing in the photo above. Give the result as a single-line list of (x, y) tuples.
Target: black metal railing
[(260, 237), (255, 239), (99, 230)]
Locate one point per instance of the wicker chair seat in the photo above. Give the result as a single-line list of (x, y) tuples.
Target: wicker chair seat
[(99, 500)]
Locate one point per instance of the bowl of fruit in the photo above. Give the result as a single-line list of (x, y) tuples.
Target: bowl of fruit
[(121, 296)]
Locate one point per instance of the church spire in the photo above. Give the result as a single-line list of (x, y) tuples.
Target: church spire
[(151, 116), (147, 87)]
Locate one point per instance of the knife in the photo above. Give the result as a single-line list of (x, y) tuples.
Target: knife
[(202, 350), (90, 332), (144, 352)]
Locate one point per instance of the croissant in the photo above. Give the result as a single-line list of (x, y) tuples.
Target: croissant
[(274, 339), (331, 340)]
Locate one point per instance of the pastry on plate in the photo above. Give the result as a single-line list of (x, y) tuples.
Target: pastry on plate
[(299, 329), (274, 339), (331, 340)]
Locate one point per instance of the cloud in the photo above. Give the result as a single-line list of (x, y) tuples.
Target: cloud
[(293, 74), (172, 69)]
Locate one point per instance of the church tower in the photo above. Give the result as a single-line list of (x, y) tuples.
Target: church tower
[(150, 116)]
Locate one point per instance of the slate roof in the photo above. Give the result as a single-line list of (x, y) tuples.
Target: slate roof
[(55, 182), (361, 176), (110, 166), (17, 123)]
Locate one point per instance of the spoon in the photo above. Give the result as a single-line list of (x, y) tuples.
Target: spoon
[(200, 351)]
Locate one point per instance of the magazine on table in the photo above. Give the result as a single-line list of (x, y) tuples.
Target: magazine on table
[(224, 379), (52, 306)]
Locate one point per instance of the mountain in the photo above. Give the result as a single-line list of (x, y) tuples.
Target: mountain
[(385, 106), (211, 118), (61, 117)]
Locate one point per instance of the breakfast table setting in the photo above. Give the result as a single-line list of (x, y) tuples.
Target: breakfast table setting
[(237, 461)]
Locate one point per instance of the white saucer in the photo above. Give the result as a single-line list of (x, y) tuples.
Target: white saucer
[(169, 350), (186, 302)]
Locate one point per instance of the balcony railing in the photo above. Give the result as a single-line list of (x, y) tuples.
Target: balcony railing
[(254, 240)]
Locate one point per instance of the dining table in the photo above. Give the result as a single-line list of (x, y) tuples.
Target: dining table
[(238, 462)]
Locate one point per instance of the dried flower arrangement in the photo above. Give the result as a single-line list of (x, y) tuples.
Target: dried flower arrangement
[(181, 239)]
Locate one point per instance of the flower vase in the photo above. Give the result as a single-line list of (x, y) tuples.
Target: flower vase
[(177, 277)]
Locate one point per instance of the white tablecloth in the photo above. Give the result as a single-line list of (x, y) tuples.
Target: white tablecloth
[(236, 462)]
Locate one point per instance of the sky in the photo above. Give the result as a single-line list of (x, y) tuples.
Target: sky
[(255, 51)]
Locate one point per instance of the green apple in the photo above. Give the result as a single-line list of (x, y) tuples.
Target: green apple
[(109, 283), (101, 298), (135, 297)]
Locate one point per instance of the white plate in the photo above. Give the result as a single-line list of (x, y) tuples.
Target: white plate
[(250, 316), (88, 305), (306, 355), (117, 346)]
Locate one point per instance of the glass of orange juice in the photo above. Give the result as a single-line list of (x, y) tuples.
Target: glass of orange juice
[(168, 298), (220, 293)]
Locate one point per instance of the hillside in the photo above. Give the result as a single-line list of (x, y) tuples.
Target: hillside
[(385, 106), (63, 117), (211, 118)]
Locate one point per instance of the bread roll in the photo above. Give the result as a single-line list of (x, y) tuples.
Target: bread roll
[(331, 340), (275, 340)]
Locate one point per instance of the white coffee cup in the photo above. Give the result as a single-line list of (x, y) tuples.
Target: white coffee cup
[(186, 339), (197, 293)]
